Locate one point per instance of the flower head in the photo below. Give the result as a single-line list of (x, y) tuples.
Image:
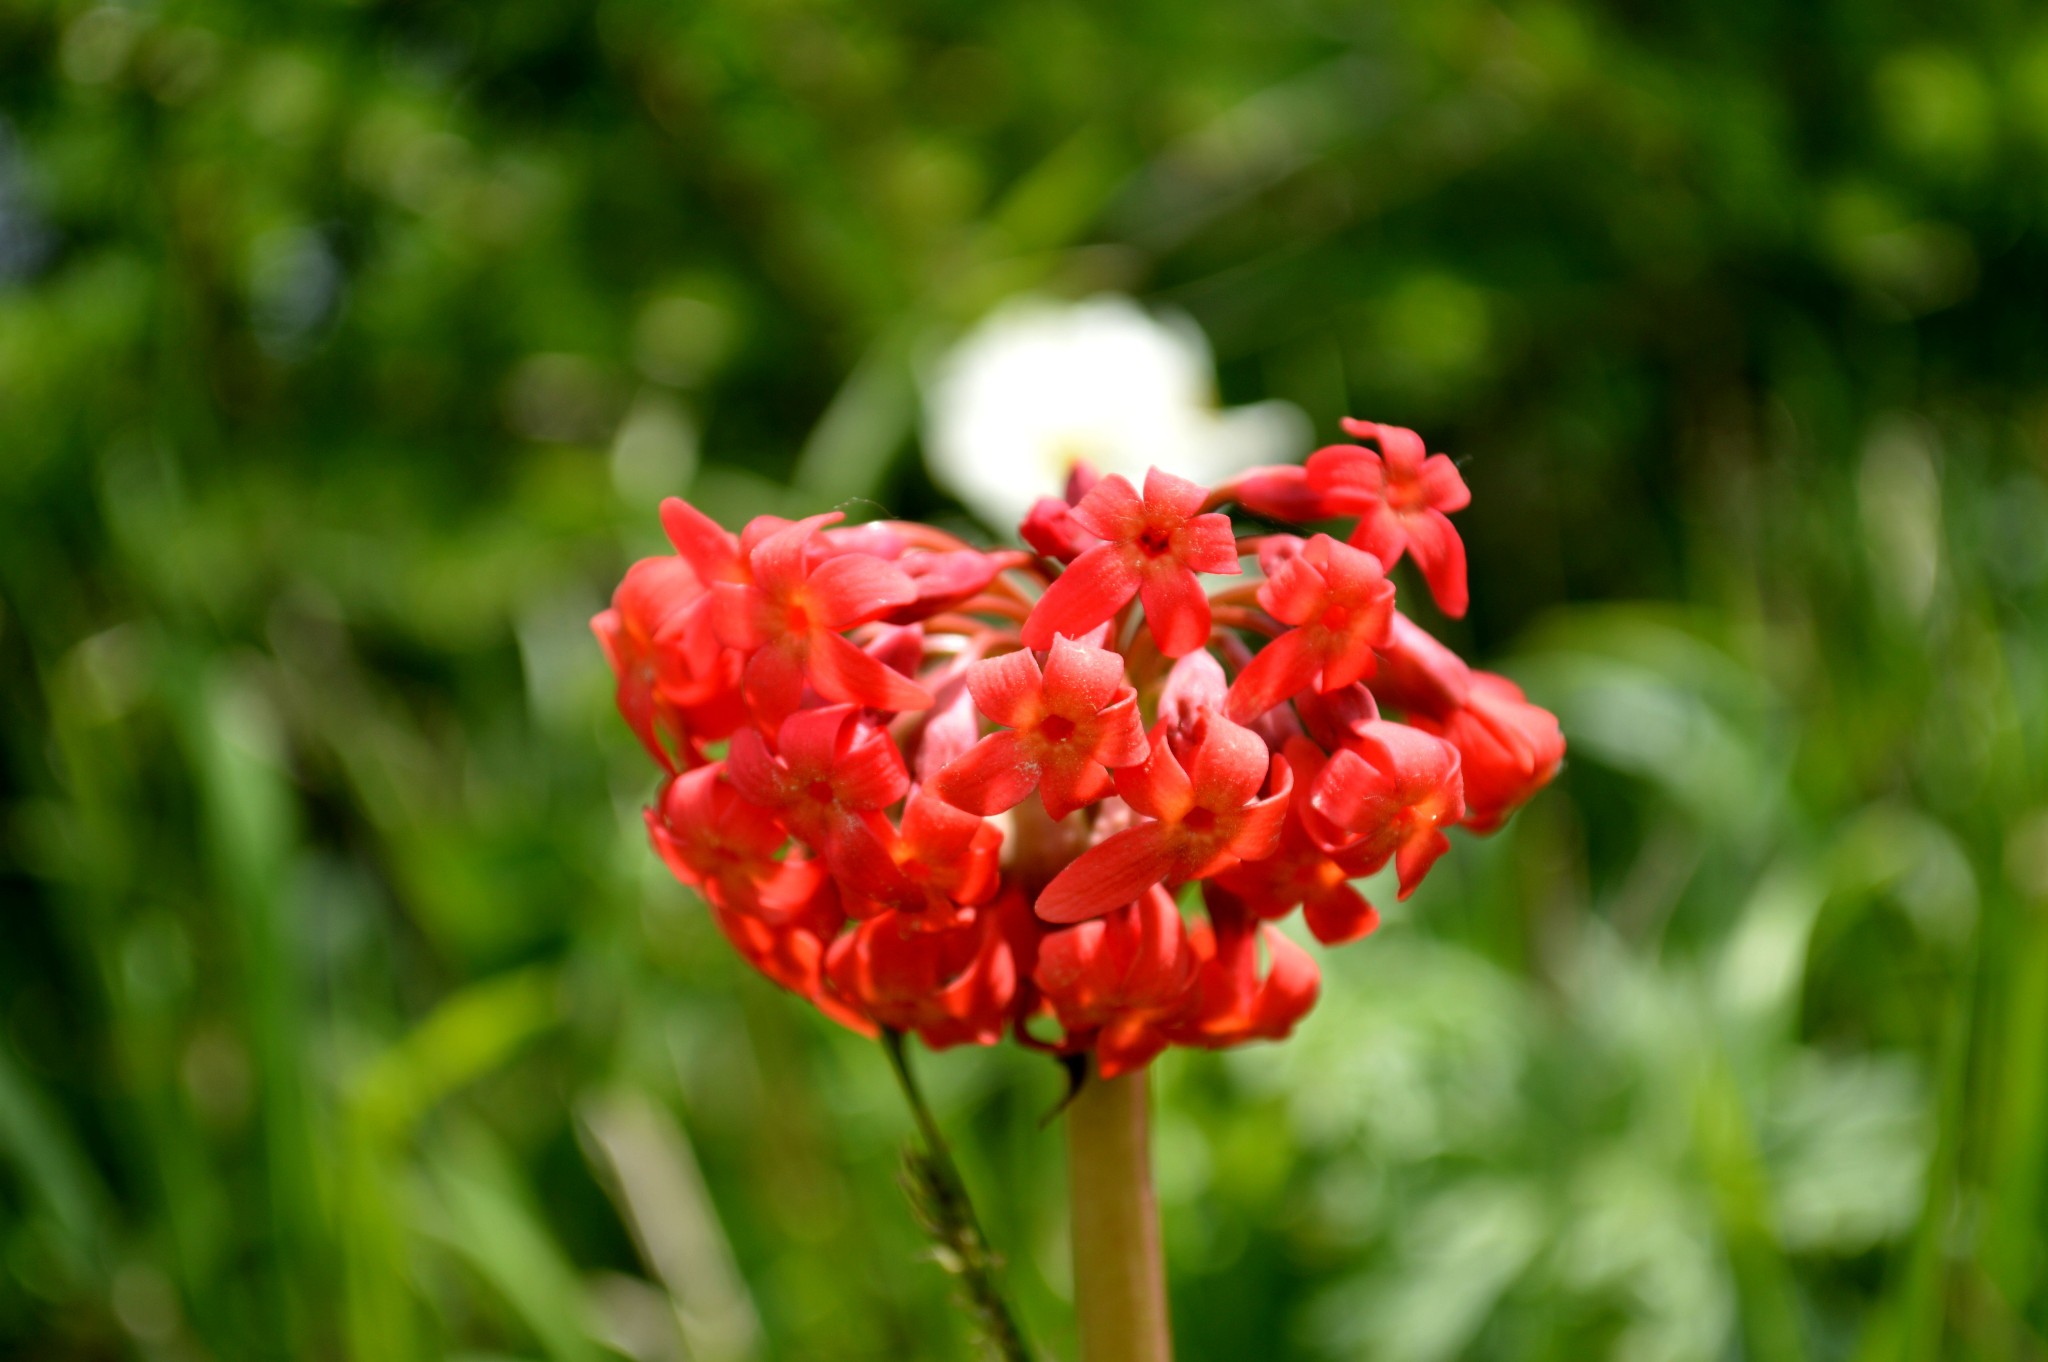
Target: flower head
[(939, 808)]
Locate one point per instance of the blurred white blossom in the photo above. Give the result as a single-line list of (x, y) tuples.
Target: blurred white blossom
[(1039, 386)]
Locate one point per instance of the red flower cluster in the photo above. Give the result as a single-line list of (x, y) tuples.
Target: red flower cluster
[(960, 792)]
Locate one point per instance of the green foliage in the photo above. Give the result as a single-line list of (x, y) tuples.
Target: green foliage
[(345, 348)]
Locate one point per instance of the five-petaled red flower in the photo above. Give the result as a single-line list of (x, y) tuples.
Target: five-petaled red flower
[(1391, 790), (1063, 727), (675, 680), (790, 616), (1403, 497), (951, 985), (941, 860), (829, 780), (1153, 547), (1341, 605), (714, 838), (1199, 819), (1304, 871)]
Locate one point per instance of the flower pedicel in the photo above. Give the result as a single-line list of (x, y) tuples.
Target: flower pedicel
[(960, 790)]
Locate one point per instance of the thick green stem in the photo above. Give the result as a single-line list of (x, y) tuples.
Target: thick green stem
[(1119, 1275)]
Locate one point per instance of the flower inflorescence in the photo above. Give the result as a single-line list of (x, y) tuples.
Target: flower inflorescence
[(956, 791)]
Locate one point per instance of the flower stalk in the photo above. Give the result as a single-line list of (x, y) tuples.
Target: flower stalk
[(940, 1199), (1119, 1274)]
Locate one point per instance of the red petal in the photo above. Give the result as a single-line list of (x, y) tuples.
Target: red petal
[(1419, 674), (1292, 983), (809, 741), (1259, 834), (843, 672), (860, 853), (1443, 486), (868, 773), (1441, 556), (1280, 671), (1404, 451), (1379, 532), (1120, 733), (1279, 493), (1127, 1045), (1159, 788), (936, 831), (1339, 915), (738, 616), (1350, 478), (991, 777), (1353, 661), (1175, 607), (1294, 590), (1351, 572), (854, 588), (712, 551), (752, 769), (1063, 789), (1174, 496), (779, 562), (1112, 510), (1079, 680), (1208, 544), (1094, 588), (949, 730), (774, 681), (1009, 689), (1195, 683), (1108, 875), (1348, 787), (1229, 764), (1417, 855)]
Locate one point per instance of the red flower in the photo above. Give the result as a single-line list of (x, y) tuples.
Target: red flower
[(1341, 605), (1402, 496), (942, 859), (1418, 674), (1303, 871), (1279, 493), (1049, 526), (1390, 790), (790, 951), (1118, 980), (952, 986), (789, 619), (1508, 748), (1199, 819), (1231, 1004), (1153, 548), (715, 840), (829, 780), (1066, 725), (674, 678), (948, 579)]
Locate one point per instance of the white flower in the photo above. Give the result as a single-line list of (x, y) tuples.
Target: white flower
[(1039, 386)]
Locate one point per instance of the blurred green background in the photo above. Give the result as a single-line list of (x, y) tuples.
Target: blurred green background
[(345, 349)]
